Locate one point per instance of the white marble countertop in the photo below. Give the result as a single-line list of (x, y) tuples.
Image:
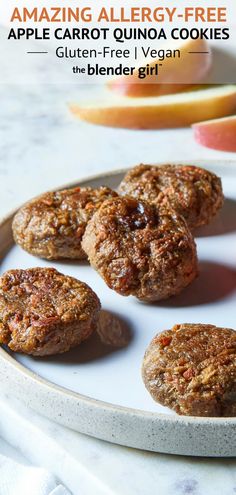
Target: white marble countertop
[(42, 147), (88, 466)]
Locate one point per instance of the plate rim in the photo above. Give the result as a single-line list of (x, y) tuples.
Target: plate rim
[(47, 384), (108, 405)]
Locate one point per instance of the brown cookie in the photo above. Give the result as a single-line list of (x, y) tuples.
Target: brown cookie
[(44, 312), (52, 225), (192, 192), (140, 250), (192, 369)]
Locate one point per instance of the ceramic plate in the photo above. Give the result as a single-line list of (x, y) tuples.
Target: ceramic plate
[(97, 388)]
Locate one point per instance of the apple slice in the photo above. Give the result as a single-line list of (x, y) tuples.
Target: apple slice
[(179, 110), (175, 74), (219, 134)]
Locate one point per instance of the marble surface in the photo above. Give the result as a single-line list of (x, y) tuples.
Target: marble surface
[(88, 466), (41, 147)]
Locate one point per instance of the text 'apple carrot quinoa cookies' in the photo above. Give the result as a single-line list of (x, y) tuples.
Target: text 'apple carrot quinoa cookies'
[(52, 225), (193, 192), (140, 250), (43, 312), (192, 369)]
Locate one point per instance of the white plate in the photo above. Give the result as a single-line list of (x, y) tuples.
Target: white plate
[(98, 389)]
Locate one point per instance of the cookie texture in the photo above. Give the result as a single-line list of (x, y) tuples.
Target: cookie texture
[(44, 312), (52, 225), (193, 192), (192, 369), (141, 250)]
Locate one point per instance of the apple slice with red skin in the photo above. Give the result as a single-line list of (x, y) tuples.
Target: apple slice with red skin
[(160, 112), (218, 134), (175, 75)]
